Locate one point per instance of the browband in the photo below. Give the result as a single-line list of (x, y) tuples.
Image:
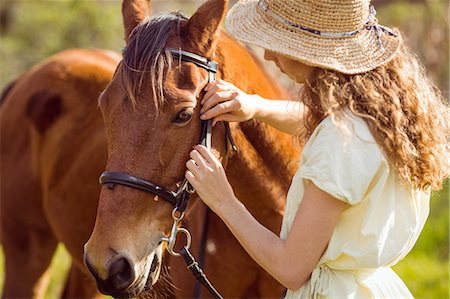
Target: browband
[(203, 62)]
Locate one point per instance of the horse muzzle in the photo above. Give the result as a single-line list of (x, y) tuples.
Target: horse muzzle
[(125, 278)]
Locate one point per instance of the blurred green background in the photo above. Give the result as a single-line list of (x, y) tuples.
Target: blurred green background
[(34, 29)]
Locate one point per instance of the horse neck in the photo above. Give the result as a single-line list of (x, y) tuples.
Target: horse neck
[(265, 162), (262, 169)]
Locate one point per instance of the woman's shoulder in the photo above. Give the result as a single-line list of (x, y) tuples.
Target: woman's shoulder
[(343, 158), (345, 129)]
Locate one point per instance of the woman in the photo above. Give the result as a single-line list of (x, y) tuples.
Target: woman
[(375, 134)]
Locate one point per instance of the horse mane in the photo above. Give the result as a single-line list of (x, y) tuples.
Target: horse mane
[(145, 56)]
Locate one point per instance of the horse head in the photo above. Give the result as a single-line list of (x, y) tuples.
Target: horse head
[(151, 113)]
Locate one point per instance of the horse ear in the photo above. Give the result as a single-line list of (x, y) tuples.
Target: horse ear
[(200, 32), (133, 12)]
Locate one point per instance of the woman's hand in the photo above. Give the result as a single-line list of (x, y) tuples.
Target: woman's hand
[(207, 176), (225, 102)]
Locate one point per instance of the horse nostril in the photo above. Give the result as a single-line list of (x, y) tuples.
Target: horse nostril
[(90, 267), (121, 274)]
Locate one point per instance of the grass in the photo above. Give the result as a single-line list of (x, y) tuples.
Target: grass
[(425, 270), (60, 266), (425, 276), (58, 271)]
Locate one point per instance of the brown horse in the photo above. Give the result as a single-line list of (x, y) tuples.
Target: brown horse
[(53, 147), (151, 112)]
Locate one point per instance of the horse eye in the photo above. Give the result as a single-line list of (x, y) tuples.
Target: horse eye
[(183, 116)]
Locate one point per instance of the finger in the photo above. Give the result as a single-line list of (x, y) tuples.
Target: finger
[(223, 82), (212, 88), (219, 109), (209, 85), (217, 87), (190, 165), (228, 117), (222, 117), (192, 179), (218, 97), (197, 157), (214, 83), (206, 153)]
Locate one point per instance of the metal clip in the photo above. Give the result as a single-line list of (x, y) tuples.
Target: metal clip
[(172, 239), (190, 189)]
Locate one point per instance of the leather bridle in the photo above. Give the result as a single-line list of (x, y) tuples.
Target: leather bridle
[(179, 199)]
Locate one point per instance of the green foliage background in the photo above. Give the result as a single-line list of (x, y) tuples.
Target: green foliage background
[(34, 29)]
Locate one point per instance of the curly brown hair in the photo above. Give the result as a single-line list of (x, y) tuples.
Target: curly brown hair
[(406, 113)]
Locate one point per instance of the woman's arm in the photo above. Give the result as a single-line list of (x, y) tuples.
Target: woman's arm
[(225, 102), (289, 261)]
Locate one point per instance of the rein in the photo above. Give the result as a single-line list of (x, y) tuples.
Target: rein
[(180, 198)]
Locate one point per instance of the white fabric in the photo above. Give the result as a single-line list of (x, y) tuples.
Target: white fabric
[(380, 224)]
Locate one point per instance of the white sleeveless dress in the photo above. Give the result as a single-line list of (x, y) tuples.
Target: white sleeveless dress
[(380, 224)]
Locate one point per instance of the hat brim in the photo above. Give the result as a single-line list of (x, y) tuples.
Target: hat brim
[(354, 54)]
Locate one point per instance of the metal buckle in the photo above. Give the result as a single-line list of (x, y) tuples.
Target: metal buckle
[(172, 239)]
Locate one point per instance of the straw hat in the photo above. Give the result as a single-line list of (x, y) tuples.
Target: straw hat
[(341, 35)]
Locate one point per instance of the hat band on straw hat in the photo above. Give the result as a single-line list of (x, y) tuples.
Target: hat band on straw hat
[(371, 24)]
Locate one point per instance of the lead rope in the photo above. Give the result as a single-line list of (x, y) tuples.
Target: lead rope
[(198, 272), (202, 250)]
